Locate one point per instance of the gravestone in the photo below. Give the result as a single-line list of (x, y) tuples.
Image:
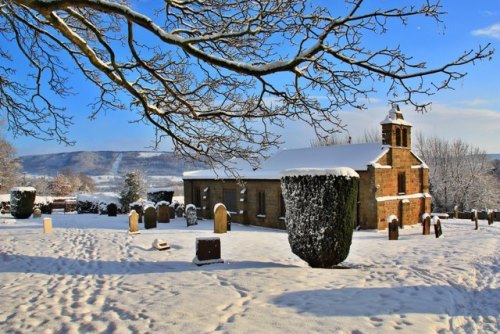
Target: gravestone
[(37, 213), (150, 217), (491, 216), (47, 225), (208, 251), (191, 216), (160, 244), (437, 226), (456, 211), (474, 218), (137, 207), (112, 209), (171, 211), (163, 212), (393, 229), (133, 222), (220, 218), (228, 221), (179, 211), (426, 223)]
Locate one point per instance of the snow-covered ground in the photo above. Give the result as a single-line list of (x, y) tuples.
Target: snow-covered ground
[(89, 275)]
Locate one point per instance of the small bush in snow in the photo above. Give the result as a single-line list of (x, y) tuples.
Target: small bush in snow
[(22, 200)]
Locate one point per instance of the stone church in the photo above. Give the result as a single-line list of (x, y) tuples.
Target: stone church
[(393, 181)]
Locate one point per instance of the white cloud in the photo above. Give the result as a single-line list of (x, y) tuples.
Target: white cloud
[(491, 31)]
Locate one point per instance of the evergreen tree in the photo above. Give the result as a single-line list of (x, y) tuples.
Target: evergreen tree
[(132, 189)]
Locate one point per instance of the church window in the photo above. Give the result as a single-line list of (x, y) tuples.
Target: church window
[(401, 183), (405, 137), (398, 137)]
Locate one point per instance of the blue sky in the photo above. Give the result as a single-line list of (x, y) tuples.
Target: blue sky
[(470, 112)]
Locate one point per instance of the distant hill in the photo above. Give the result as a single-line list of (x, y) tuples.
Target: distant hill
[(494, 156), (94, 163)]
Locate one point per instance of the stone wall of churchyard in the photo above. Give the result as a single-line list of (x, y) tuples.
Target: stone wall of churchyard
[(246, 200)]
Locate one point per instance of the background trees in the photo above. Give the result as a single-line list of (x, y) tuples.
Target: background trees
[(459, 174), (9, 166), (214, 76)]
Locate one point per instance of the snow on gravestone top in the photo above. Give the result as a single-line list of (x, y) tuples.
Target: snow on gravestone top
[(162, 203), (218, 205), (390, 218), (435, 220), (338, 171), (425, 215), (190, 206), (23, 189)]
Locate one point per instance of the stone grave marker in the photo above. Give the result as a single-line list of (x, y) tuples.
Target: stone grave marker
[(437, 226), (112, 209), (426, 223), (179, 212), (393, 227), (208, 251), (133, 222), (47, 225), (137, 207), (171, 211), (163, 212), (150, 217), (491, 217), (220, 218), (474, 218), (160, 244), (37, 213), (191, 216)]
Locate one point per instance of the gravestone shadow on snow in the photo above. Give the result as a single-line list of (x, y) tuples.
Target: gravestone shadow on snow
[(454, 300), (67, 266)]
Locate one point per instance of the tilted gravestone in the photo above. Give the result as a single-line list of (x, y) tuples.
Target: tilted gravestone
[(163, 212), (150, 217), (437, 226), (320, 213), (191, 216), (112, 209), (133, 222), (393, 227), (208, 251), (220, 218), (47, 225), (426, 223)]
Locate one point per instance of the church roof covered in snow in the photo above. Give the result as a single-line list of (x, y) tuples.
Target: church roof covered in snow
[(355, 156)]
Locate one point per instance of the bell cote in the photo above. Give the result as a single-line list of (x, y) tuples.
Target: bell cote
[(396, 132)]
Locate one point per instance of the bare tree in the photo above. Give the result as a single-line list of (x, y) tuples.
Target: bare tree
[(9, 166), (214, 76), (459, 174)]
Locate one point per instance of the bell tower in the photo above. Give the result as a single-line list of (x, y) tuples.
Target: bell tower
[(396, 132)]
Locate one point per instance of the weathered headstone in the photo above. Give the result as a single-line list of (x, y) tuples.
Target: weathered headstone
[(37, 213), (491, 217), (112, 209), (191, 216), (220, 218), (163, 212), (456, 211), (437, 226), (208, 251), (179, 211), (393, 227), (133, 222), (150, 217), (426, 223), (47, 225)]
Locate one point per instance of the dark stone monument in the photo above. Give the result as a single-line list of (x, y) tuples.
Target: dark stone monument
[(137, 207), (171, 211), (163, 212), (393, 227), (179, 211), (437, 227), (150, 217), (426, 223), (112, 209), (207, 251)]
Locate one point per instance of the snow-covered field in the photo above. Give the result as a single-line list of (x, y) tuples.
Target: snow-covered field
[(89, 275)]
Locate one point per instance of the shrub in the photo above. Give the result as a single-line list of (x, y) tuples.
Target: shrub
[(22, 200)]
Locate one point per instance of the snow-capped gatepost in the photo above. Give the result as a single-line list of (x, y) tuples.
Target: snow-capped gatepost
[(133, 222), (393, 227), (320, 213), (426, 223), (22, 200), (437, 226), (191, 216), (163, 208), (220, 218), (150, 217)]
